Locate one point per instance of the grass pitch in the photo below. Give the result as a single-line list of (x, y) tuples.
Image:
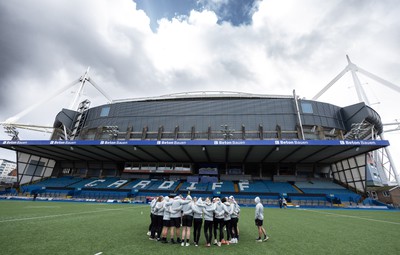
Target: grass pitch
[(28, 227)]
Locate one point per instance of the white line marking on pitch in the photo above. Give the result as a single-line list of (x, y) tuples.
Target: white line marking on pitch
[(355, 217), (66, 214), (99, 253)]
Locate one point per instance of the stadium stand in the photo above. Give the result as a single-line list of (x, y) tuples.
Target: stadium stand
[(302, 193), (225, 187), (61, 182), (280, 187), (193, 187), (194, 178), (330, 189), (252, 187), (107, 183)]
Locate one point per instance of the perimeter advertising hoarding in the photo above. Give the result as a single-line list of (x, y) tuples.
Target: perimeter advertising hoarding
[(200, 142)]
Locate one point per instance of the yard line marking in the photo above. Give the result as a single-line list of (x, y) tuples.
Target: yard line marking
[(355, 217), (66, 214)]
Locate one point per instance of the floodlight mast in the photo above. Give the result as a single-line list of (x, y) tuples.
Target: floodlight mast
[(397, 128), (360, 92), (362, 97), (79, 93), (83, 79), (21, 114), (12, 121)]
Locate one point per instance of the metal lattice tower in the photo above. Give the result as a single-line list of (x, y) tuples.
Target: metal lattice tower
[(383, 155)]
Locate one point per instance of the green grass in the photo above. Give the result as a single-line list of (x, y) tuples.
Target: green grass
[(28, 227)]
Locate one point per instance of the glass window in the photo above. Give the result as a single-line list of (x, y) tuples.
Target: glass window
[(352, 162), (306, 107), (105, 111), (345, 164), (356, 174), (359, 186)]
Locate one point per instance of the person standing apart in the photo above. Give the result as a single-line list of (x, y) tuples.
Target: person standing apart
[(259, 218), (284, 203), (235, 220)]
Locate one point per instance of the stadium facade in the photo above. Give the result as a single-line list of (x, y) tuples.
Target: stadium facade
[(241, 136)]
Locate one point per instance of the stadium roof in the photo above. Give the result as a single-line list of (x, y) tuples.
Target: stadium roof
[(203, 94), (214, 151)]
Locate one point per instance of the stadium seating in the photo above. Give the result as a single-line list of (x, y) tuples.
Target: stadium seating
[(194, 178), (107, 183), (317, 184), (82, 183), (280, 187), (59, 182), (223, 187), (304, 193), (330, 189), (165, 186), (252, 187), (193, 186), (208, 179)]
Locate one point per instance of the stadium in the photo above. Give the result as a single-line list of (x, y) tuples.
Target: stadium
[(210, 143), (320, 157), (215, 143)]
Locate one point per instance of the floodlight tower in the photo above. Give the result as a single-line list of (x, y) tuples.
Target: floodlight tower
[(83, 79), (362, 97), (11, 123)]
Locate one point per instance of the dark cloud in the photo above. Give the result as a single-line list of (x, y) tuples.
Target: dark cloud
[(42, 37)]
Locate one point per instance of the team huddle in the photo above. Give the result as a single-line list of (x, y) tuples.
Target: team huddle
[(178, 215)]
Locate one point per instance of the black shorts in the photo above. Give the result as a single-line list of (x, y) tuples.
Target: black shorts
[(166, 223), (176, 222), (187, 221), (259, 223)]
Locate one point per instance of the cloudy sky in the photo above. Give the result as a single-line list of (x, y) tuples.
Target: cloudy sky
[(138, 48)]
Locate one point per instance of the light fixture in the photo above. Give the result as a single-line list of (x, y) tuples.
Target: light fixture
[(134, 148), (277, 148), (357, 148), (203, 148), (71, 148)]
